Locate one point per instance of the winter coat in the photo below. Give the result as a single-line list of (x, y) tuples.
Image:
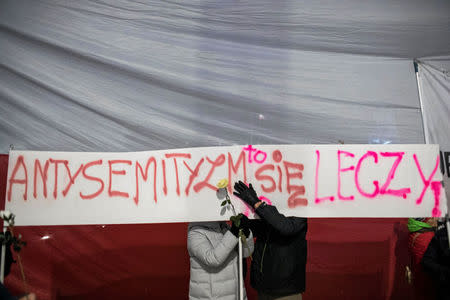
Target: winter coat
[(279, 260), (214, 261)]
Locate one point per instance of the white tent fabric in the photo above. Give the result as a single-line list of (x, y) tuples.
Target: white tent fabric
[(434, 74), (434, 78), (129, 76)]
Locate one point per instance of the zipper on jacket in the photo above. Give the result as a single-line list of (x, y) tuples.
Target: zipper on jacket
[(264, 251)]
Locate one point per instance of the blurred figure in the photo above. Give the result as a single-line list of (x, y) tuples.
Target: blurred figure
[(421, 231), (436, 262), (4, 293), (214, 259)]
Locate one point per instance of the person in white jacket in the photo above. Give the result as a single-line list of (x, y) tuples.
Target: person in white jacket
[(214, 260)]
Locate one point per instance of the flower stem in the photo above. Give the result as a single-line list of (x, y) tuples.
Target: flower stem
[(241, 232), (232, 206)]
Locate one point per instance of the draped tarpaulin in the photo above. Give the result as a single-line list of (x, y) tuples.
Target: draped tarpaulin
[(127, 76), (434, 80)]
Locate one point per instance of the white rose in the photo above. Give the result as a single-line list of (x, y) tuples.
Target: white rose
[(221, 193)]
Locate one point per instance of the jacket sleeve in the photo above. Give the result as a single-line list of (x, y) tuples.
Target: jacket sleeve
[(430, 262), (201, 248), (285, 226), (247, 249)]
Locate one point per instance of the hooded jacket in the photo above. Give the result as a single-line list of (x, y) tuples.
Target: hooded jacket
[(214, 261)]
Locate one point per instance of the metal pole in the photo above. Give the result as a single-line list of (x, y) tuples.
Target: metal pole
[(2, 259), (424, 122), (2, 271), (241, 279)]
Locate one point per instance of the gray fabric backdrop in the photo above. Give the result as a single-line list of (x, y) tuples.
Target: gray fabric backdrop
[(128, 76)]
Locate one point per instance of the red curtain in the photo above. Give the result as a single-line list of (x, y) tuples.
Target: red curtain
[(347, 259)]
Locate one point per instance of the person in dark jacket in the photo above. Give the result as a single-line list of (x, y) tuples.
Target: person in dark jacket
[(279, 260), (436, 261), (421, 232)]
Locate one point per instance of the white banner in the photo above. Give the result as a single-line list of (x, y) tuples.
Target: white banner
[(50, 188)]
